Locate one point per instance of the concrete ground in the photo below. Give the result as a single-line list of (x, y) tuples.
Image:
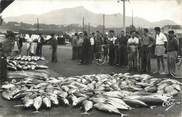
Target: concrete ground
[(67, 67)]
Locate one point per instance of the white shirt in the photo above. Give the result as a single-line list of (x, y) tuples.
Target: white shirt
[(113, 39), (160, 39), (92, 41), (134, 40)]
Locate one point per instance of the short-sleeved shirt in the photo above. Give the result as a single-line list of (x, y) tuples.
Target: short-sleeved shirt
[(134, 40), (161, 39), (112, 39), (92, 41)]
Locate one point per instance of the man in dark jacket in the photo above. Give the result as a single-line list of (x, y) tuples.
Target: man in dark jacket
[(123, 49), (85, 49), (39, 45), (54, 43)]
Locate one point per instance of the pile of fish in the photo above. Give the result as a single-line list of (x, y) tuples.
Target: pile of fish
[(27, 58), (24, 63), (111, 93)]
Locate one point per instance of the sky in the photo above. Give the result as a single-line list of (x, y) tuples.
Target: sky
[(151, 10)]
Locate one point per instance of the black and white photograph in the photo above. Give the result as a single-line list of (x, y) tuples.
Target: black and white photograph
[(90, 58)]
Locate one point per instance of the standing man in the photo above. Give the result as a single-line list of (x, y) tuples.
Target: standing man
[(85, 49), (98, 43), (74, 46), (54, 43), (123, 49), (172, 48), (111, 39), (92, 43), (116, 51), (161, 42), (40, 42), (132, 46), (80, 43), (146, 44)]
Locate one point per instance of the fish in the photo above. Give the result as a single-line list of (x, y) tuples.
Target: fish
[(135, 102), (115, 94), (28, 102), (177, 87), (108, 108), (6, 95), (37, 103), (8, 86), (74, 100), (170, 81), (117, 105), (65, 88), (151, 89), (81, 99), (98, 99), (65, 101), (121, 102), (87, 105), (47, 102), (54, 99), (62, 94)]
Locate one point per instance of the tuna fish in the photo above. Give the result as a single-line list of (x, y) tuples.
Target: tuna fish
[(37, 103), (28, 102), (47, 102), (108, 107), (54, 99), (87, 105)]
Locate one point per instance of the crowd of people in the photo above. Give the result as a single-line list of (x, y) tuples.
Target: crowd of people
[(133, 49)]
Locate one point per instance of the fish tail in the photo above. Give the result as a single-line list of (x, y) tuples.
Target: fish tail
[(85, 113)]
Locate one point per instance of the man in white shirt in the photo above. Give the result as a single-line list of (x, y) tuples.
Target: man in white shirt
[(132, 45), (161, 41)]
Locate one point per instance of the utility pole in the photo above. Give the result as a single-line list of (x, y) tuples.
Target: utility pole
[(103, 23), (37, 25), (88, 28), (83, 23), (132, 19), (124, 14), (124, 27)]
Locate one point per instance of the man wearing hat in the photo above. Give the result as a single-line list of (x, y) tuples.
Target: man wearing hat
[(172, 48), (160, 49)]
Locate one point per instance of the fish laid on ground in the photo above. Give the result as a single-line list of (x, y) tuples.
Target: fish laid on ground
[(120, 102), (87, 105), (98, 99), (6, 95), (74, 100), (8, 86), (47, 102), (54, 99), (80, 100), (28, 102), (135, 102), (37, 103), (108, 108), (65, 101)]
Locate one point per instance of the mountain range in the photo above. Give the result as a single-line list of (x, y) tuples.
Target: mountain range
[(75, 16)]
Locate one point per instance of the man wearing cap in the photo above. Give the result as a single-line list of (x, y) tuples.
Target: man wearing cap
[(160, 49), (172, 48)]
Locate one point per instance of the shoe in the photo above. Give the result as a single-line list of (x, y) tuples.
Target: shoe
[(162, 73)]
